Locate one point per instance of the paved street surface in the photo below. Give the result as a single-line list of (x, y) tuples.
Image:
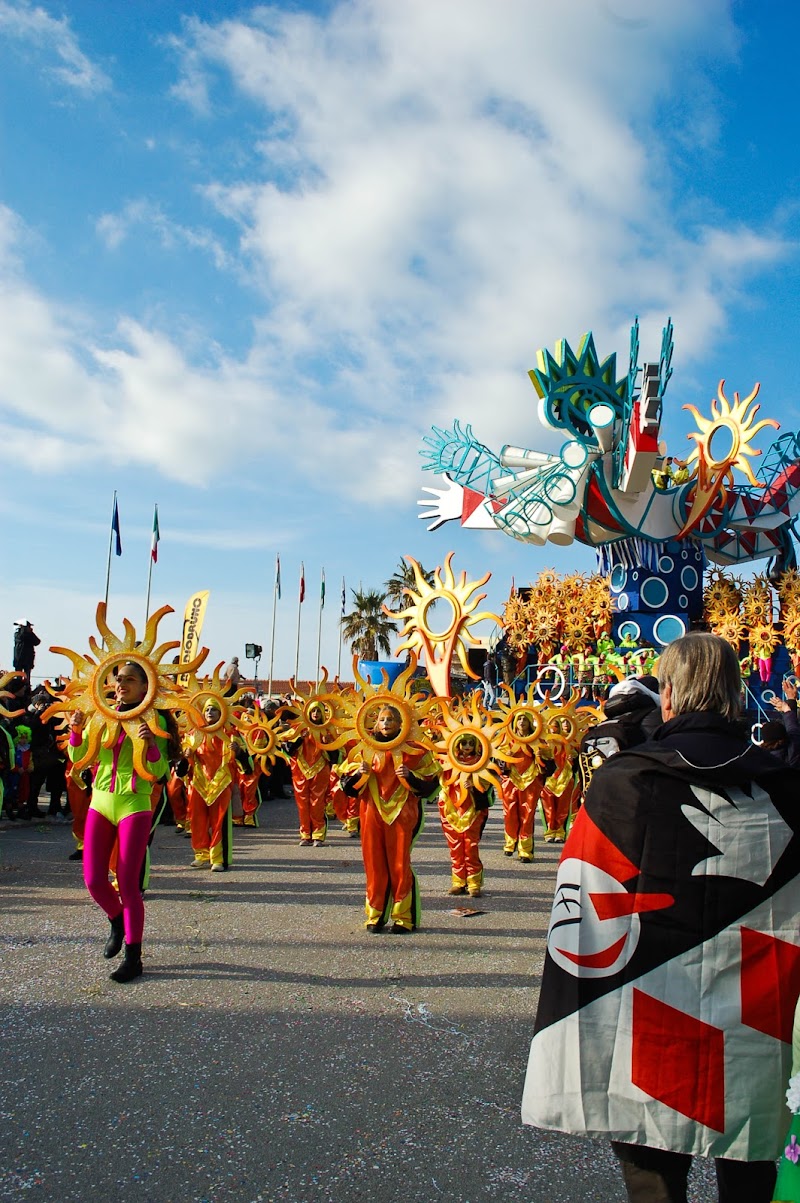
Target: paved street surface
[(274, 1050)]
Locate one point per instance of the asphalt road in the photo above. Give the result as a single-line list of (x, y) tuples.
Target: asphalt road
[(273, 1050)]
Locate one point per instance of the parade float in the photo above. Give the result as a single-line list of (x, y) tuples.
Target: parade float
[(656, 522)]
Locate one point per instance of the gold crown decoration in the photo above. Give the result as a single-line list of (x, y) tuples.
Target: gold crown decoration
[(90, 690)]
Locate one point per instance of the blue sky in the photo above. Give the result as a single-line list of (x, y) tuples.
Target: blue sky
[(249, 254)]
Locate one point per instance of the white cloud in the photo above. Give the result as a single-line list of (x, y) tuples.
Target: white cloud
[(31, 26), (443, 188)]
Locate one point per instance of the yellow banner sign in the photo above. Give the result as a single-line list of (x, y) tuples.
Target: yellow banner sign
[(193, 617)]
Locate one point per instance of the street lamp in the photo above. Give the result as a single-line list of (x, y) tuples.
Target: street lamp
[(252, 651)]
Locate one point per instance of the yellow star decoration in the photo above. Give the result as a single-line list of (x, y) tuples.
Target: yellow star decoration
[(437, 647), (262, 737), (211, 690), (471, 721), (354, 715), (91, 691), (6, 679), (730, 429), (509, 711), (551, 723)]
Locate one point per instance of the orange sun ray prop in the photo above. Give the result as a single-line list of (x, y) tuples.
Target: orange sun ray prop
[(732, 429), (437, 647)]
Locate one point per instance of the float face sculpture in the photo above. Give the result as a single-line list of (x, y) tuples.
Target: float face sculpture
[(603, 488)]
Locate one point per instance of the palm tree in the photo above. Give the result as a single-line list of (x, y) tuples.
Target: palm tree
[(401, 579), (366, 628)]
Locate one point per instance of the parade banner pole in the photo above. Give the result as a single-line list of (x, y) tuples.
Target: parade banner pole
[(153, 560), (319, 625), (341, 620), (114, 531), (299, 613), (276, 593)]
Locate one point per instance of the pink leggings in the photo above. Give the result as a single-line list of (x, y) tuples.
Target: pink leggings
[(134, 832)]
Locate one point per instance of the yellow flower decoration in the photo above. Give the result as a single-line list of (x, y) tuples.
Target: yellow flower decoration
[(437, 647), (763, 640), (90, 689)]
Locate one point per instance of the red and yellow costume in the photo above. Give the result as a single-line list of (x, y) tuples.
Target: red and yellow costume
[(311, 773), (247, 778), (463, 814), (521, 785), (213, 764), (560, 793), (391, 819), (79, 795)]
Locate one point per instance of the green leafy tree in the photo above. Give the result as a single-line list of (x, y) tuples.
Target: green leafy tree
[(401, 579), (366, 628)]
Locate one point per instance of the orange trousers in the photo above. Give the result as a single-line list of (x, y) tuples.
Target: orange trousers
[(79, 800), (386, 849), (465, 862), (178, 800), (310, 795), (207, 824), (556, 811), (519, 812)]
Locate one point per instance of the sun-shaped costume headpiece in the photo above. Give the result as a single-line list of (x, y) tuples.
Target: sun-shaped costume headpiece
[(262, 737), (310, 713), (722, 444), (460, 726), (437, 647), (6, 679), (91, 688), (202, 692), (354, 716)]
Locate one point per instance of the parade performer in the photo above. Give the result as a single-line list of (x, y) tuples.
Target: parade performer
[(520, 786), (127, 738), (212, 764), (560, 787), (304, 744), (120, 806), (465, 751), (79, 796), (391, 819), (673, 944)]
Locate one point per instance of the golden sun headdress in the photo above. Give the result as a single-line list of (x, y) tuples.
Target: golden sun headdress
[(354, 716), (90, 689)]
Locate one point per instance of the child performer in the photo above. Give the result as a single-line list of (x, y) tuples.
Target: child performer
[(521, 785), (213, 764), (463, 820), (311, 773), (391, 818)]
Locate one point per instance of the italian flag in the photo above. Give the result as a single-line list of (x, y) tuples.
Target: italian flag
[(156, 537)]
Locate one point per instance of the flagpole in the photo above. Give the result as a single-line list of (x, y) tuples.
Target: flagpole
[(299, 613), (319, 626), (110, 546), (339, 656), (275, 588)]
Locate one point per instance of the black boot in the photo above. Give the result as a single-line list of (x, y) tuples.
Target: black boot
[(114, 941), (131, 967)]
